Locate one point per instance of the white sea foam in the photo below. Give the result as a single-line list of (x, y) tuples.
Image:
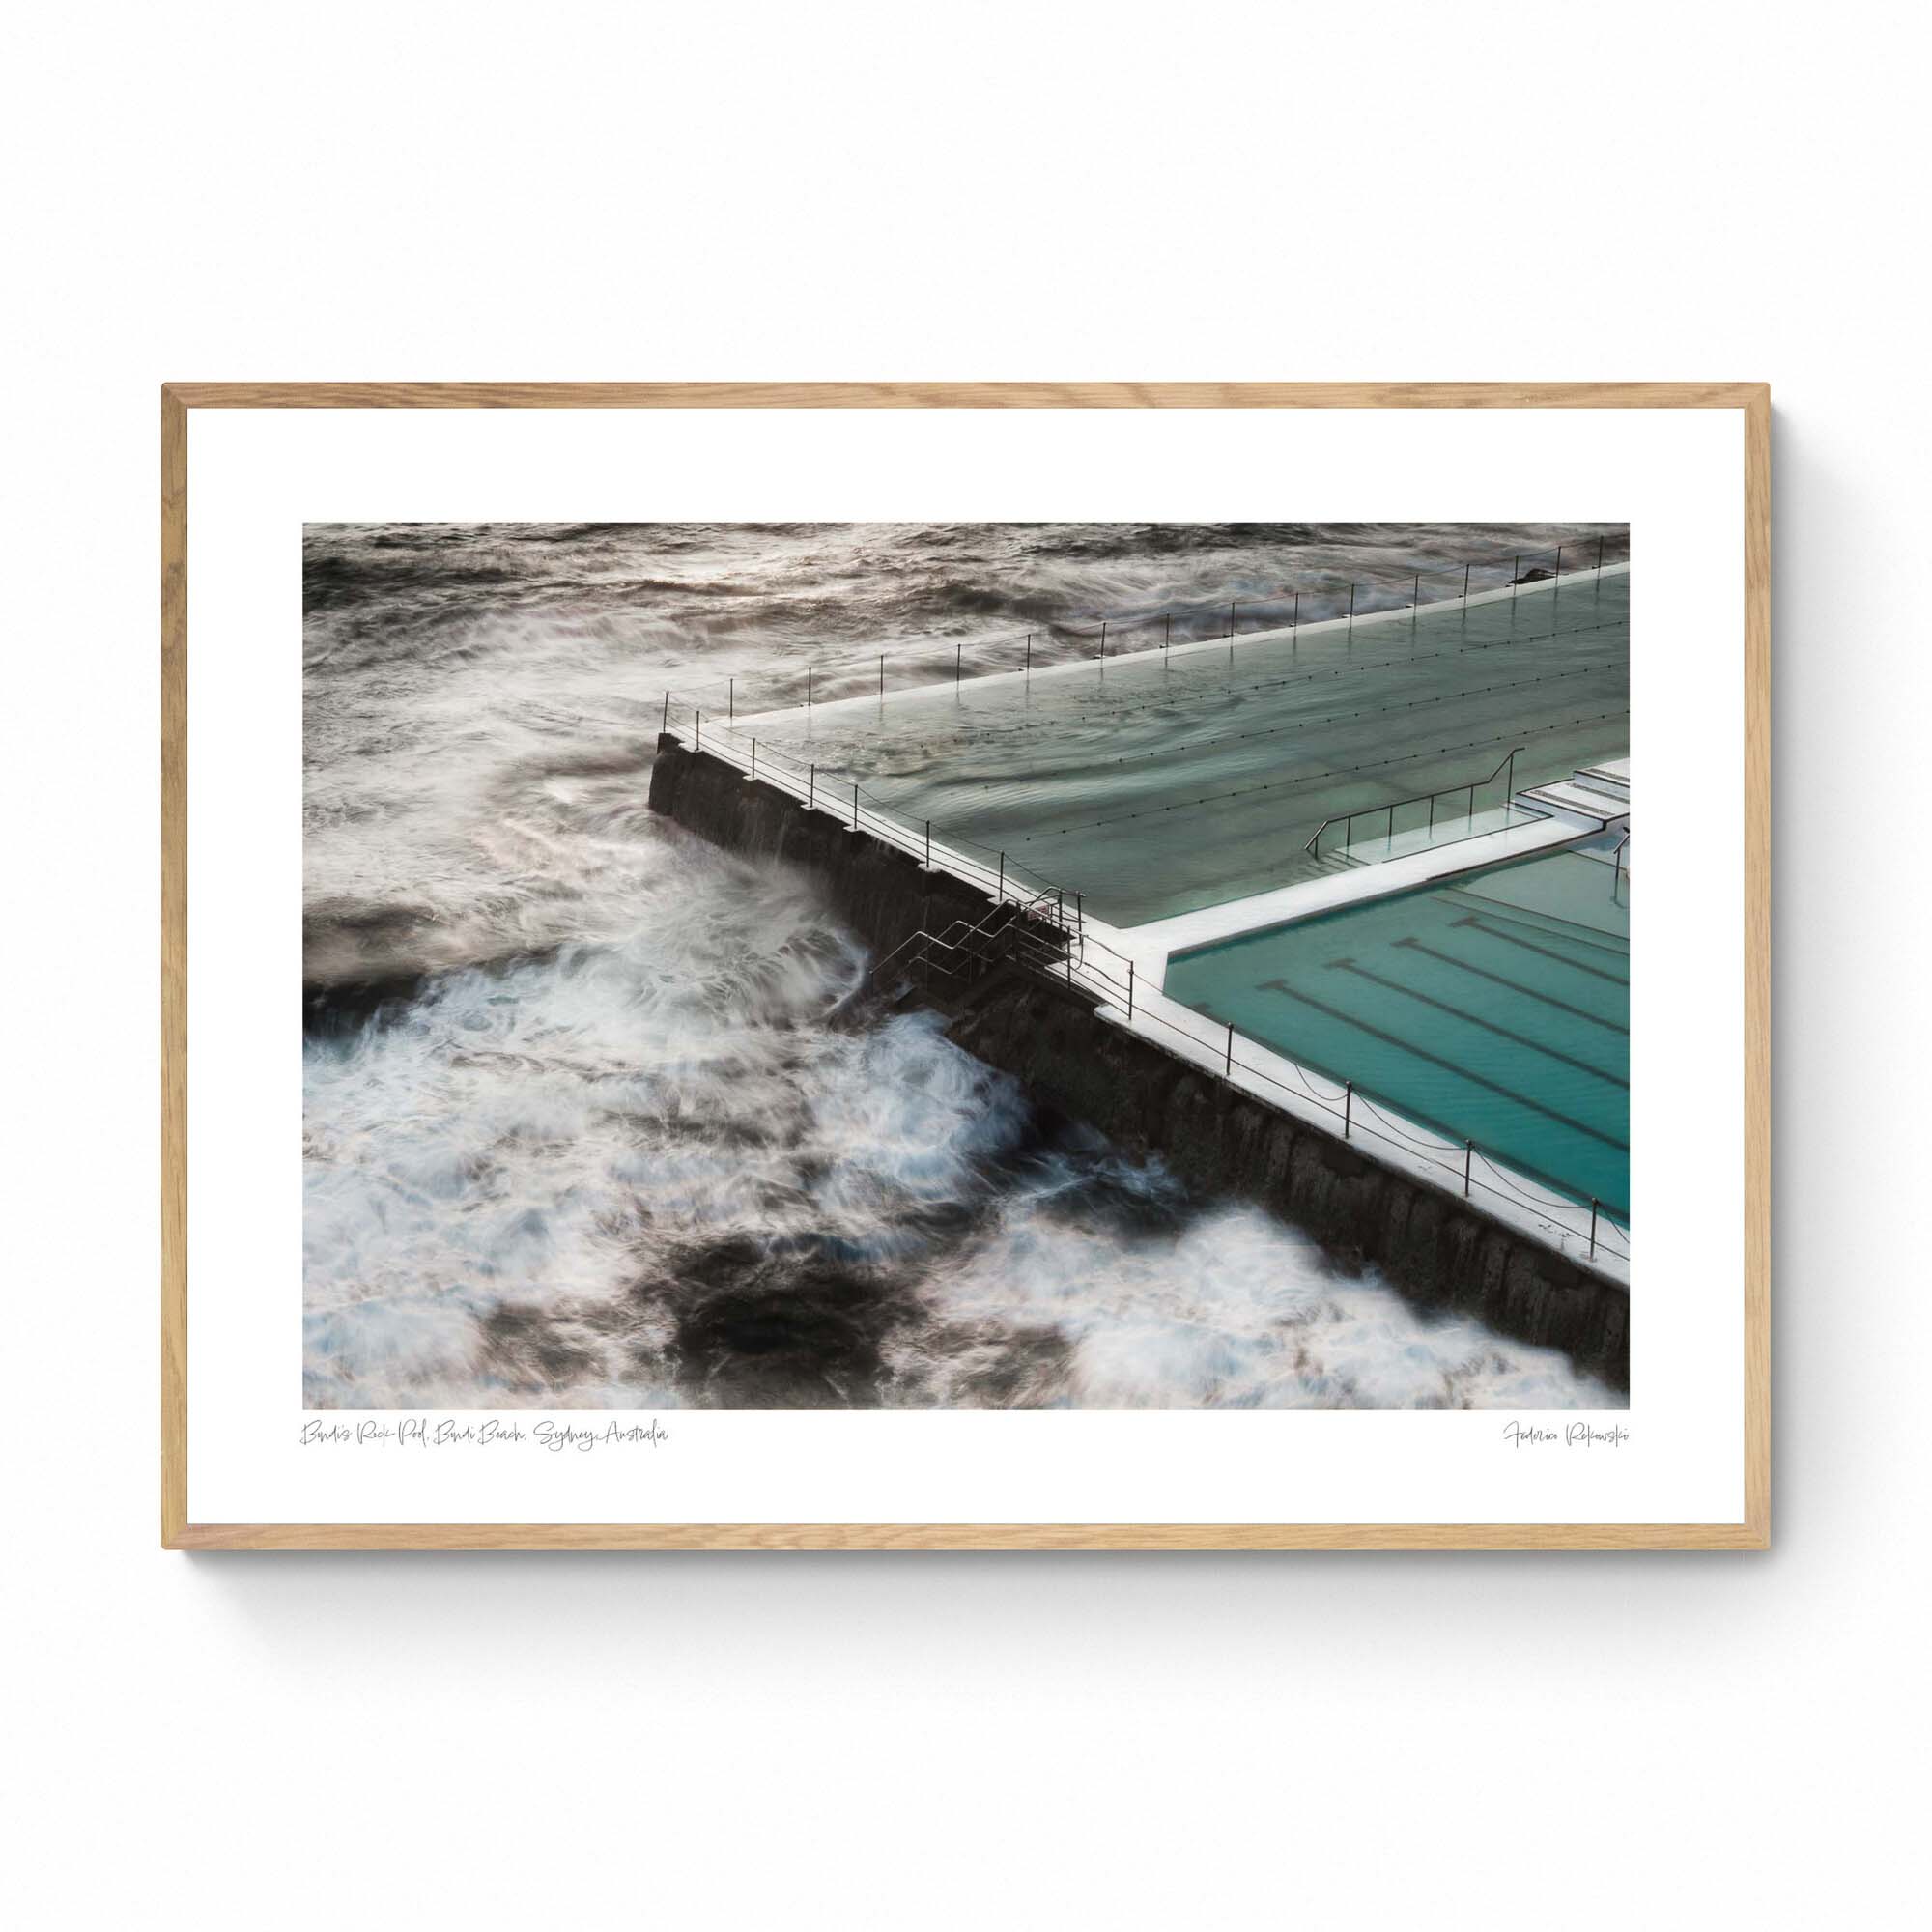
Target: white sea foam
[(1231, 1310), (547, 1140)]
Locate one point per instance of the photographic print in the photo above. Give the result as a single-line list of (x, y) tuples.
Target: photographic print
[(966, 966), (883, 966)]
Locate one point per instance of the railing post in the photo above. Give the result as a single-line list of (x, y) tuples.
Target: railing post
[(1465, 586), (1228, 1070), (1029, 654), (1003, 878), (1347, 1107), (1415, 602), (697, 729), (1294, 634), (1352, 612), (1593, 1227), (928, 844), (1130, 990), (1166, 631), (1468, 1161), (811, 789), (731, 700), (1103, 640), (855, 806), (755, 757), (958, 663), (807, 687), (665, 723)]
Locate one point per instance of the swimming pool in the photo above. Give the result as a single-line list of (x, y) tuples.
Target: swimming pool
[(1156, 786), (1492, 1009)]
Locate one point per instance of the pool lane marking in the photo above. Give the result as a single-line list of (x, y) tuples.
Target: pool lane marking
[(1533, 919), (1460, 892), (1311, 778), (1561, 958), (1488, 1026), (1448, 1066), (1514, 985)]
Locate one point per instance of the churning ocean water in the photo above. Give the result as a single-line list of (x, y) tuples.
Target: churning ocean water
[(596, 1116)]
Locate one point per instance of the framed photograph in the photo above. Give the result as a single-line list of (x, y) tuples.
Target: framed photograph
[(965, 966)]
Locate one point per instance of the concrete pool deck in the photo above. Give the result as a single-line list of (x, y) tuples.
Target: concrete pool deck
[(1152, 945)]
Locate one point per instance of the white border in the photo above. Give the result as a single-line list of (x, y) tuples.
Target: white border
[(1675, 475)]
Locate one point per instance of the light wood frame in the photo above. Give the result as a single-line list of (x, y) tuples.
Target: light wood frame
[(1752, 399)]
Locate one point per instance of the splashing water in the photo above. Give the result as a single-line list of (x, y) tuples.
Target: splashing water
[(621, 1135)]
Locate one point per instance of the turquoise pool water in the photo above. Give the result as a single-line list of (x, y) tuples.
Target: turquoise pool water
[(1495, 1010)]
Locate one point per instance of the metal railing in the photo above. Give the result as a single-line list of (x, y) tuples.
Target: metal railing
[(1076, 958), (1047, 931), (1039, 924), (1368, 814), (994, 871), (1327, 598)]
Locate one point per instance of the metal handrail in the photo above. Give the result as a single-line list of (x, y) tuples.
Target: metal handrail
[(1024, 946), (1198, 608), (1347, 818)]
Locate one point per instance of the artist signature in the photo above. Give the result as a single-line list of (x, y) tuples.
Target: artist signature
[(1572, 1435)]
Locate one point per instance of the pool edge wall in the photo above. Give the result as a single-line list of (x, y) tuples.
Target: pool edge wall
[(884, 895), (1441, 1250)]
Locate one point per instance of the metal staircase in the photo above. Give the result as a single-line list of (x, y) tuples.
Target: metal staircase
[(949, 967)]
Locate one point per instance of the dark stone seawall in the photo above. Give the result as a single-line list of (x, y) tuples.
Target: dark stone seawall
[(1440, 1250), (884, 895)]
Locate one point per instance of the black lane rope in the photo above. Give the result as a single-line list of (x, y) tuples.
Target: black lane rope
[(1321, 718), (1193, 692), (1209, 610), (1316, 719), (1310, 778)]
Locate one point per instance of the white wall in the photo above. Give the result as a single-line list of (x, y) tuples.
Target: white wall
[(1507, 192)]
